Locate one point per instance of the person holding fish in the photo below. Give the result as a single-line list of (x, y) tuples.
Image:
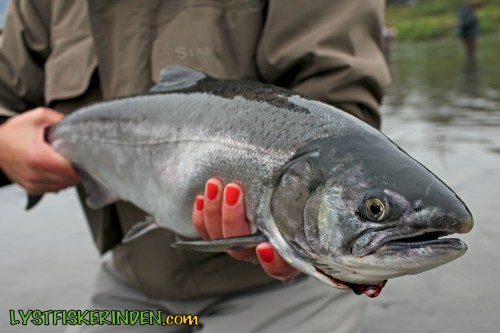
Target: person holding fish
[(56, 57)]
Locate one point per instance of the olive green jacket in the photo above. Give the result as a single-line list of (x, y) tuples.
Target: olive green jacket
[(65, 54)]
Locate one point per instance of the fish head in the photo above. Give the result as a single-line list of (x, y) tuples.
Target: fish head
[(361, 211)]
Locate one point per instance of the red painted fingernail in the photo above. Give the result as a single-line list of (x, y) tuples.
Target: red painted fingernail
[(232, 195), (266, 254), (212, 190), (199, 203)]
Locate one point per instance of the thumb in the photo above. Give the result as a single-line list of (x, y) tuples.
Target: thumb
[(47, 117)]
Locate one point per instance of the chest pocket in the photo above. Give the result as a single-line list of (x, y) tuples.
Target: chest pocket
[(72, 60), (217, 37), (69, 68)]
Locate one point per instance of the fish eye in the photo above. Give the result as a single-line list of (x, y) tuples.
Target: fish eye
[(374, 209)]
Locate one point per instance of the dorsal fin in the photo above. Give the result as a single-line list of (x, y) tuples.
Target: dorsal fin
[(175, 77)]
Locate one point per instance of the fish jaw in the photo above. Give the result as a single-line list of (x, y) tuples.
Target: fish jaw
[(367, 253), (416, 258), (392, 253)]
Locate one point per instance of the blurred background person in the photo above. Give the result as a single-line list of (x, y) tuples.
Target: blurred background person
[(467, 27)]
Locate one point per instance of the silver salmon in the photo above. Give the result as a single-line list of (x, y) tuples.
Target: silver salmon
[(336, 198)]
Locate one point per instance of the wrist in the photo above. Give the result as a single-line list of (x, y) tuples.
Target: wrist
[(3, 119)]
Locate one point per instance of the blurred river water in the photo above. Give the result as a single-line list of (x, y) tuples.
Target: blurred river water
[(444, 113)]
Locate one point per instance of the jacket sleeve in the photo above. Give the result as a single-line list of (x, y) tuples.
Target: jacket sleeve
[(24, 46), (327, 50)]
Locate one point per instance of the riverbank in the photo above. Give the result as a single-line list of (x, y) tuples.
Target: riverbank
[(435, 19)]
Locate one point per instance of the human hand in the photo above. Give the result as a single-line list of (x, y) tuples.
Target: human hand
[(220, 213), (25, 157)]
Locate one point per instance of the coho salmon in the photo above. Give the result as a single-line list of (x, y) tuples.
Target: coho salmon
[(336, 198)]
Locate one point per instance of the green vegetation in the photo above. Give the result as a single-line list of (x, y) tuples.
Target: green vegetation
[(428, 19)]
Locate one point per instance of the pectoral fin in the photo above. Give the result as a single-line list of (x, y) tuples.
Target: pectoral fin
[(221, 245), (98, 195)]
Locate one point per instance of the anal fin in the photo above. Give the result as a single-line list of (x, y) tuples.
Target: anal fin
[(140, 228)]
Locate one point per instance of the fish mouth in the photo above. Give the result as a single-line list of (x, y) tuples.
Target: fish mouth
[(426, 230), (429, 239), (433, 239)]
